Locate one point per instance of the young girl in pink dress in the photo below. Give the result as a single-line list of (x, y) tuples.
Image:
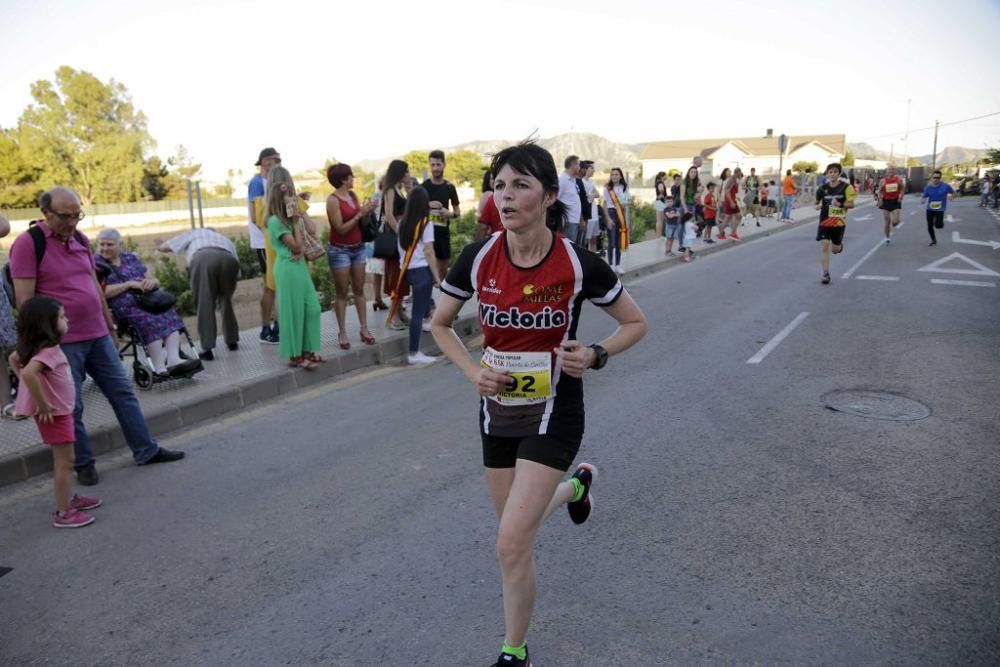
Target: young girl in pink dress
[(47, 393)]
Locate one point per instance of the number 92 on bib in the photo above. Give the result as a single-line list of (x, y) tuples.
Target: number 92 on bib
[(530, 372)]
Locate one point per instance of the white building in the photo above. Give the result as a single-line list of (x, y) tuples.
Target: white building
[(760, 153)]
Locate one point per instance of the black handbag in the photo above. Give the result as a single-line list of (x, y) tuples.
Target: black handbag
[(386, 242), (369, 228), (155, 301)]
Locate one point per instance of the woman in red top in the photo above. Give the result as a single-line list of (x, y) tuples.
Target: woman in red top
[(346, 252), (489, 216)]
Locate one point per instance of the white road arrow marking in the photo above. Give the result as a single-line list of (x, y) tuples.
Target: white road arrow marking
[(990, 244), (980, 270), (951, 218)]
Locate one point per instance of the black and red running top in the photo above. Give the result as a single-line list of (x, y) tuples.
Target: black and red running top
[(532, 310)]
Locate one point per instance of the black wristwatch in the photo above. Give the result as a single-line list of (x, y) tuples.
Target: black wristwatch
[(602, 356)]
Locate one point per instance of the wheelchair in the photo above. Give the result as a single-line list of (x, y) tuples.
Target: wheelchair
[(131, 345)]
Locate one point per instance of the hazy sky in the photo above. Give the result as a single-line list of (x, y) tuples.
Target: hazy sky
[(372, 79)]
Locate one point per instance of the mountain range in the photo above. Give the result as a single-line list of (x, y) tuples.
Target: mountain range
[(587, 146), (949, 155)]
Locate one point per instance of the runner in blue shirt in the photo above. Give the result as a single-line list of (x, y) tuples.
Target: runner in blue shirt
[(936, 196)]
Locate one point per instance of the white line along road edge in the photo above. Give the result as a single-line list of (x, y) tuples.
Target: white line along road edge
[(774, 342), (890, 278), (967, 283)]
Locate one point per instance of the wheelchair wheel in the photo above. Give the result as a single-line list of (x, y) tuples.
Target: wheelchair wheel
[(142, 376)]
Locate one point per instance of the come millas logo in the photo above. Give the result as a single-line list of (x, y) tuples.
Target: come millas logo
[(515, 318), (492, 288)]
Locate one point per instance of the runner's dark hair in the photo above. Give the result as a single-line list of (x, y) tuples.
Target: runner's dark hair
[(487, 181), (37, 327), (436, 155), (834, 165), (418, 207), (530, 159)]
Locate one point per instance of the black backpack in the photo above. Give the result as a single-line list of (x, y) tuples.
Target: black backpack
[(38, 238)]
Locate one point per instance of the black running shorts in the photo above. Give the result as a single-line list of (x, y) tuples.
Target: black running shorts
[(442, 242), (834, 234), (935, 218), (550, 450), (890, 205), (262, 260)]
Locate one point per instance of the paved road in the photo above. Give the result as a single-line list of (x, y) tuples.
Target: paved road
[(739, 521)]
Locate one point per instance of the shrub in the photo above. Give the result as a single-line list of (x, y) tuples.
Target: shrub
[(643, 219), (463, 231), (175, 281), (249, 266)]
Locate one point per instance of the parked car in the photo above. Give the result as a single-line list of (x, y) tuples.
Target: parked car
[(968, 186)]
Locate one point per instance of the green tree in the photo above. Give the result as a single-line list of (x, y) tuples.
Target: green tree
[(87, 134), (804, 167), (848, 160), (992, 156), (18, 187), (154, 175)]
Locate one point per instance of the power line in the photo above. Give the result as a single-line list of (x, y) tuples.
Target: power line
[(931, 127)]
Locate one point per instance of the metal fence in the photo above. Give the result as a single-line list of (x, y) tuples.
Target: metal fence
[(133, 207)]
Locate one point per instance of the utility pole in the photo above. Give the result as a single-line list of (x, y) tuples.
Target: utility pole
[(190, 202), (906, 142), (934, 154), (201, 218)]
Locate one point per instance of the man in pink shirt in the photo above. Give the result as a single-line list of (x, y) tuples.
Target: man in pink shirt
[(66, 272)]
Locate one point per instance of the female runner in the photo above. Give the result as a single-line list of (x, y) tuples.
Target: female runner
[(530, 283)]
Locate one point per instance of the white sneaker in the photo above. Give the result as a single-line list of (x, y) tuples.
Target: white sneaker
[(426, 326), (419, 358), (619, 270)]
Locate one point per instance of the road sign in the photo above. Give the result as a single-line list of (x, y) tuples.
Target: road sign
[(783, 143), (978, 270)]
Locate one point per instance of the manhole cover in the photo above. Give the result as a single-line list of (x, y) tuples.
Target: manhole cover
[(876, 405)]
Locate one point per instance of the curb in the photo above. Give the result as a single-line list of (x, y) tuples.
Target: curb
[(37, 460)]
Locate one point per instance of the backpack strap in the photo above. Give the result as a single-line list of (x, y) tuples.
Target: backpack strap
[(38, 238)]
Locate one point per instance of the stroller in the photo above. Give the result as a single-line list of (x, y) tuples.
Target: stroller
[(130, 344)]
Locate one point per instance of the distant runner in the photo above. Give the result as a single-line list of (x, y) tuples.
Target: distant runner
[(833, 198), (890, 197), (936, 196)]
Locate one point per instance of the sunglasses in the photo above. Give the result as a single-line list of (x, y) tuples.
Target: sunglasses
[(68, 217)]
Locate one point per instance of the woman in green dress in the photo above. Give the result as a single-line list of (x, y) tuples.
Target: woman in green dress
[(298, 306)]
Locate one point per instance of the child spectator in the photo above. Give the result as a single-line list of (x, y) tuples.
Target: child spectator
[(47, 393), (690, 235), (675, 231), (710, 211)]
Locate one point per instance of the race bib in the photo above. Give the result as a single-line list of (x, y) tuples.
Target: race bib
[(935, 206), (891, 187), (838, 212), (530, 372)]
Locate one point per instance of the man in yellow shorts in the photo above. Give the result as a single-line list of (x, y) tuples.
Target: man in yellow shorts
[(260, 241)]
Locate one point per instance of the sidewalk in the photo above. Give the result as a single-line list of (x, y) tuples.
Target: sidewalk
[(255, 373)]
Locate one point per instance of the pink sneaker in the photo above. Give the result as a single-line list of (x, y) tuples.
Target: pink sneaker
[(85, 503), (71, 518)]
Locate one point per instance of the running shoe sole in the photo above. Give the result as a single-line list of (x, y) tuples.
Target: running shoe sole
[(580, 510)]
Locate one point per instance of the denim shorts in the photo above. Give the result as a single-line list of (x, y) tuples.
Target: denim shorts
[(342, 256), (675, 230)]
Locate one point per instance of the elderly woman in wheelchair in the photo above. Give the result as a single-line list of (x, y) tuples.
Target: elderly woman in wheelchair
[(151, 326)]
